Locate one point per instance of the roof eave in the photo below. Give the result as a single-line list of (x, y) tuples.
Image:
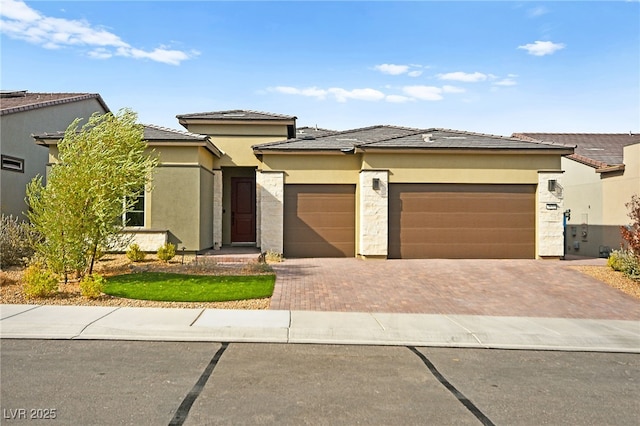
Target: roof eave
[(610, 169)]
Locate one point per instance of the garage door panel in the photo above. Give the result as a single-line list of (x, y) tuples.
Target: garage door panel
[(461, 221), (319, 221), (465, 236)]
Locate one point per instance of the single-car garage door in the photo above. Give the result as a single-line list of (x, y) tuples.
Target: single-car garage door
[(319, 220), (458, 221)]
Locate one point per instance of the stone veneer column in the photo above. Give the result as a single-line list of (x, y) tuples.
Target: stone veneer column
[(217, 209), (549, 216), (374, 214), (270, 194)]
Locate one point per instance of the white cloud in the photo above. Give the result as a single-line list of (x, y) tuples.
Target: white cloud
[(541, 48), (19, 21), (393, 69), (313, 92), (463, 76), (505, 82), (398, 99), (425, 93), (537, 11), (343, 95)]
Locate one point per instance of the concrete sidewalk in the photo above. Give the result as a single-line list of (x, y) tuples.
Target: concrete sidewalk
[(468, 331)]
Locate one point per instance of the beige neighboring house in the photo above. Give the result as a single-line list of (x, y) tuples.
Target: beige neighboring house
[(248, 178), (22, 114), (600, 178)]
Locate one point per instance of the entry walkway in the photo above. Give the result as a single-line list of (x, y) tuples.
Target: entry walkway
[(159, 324)]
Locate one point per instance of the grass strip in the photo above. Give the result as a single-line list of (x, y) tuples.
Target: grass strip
[(171, 287)]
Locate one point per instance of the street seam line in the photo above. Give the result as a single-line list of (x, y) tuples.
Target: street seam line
[(183, 410), (463, 399)]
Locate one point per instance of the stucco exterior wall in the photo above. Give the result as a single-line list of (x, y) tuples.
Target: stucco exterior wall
[(316, 168), (16, 141), (462, 168), (175, 204), (618, 189), (206, 208)]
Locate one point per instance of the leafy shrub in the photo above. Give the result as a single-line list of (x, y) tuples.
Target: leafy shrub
[(166, 252), (134, 253), (15, 241), (257, 268), (273, 257), (92, 286), (626, 262), (39, 282)]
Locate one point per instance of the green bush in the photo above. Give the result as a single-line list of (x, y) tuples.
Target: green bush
[(15, 241), (166, 252), (135, 254), (92, 286), (625, 262), (39, 282)]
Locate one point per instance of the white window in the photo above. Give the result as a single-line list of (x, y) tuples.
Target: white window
[(135, 216)]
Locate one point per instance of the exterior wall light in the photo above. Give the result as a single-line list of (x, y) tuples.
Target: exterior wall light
[(376, 184), (552, 185)]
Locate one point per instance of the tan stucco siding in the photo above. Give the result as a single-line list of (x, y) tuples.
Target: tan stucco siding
[(462, 168), (175, 204), (16, 141), (206, 208), (207, 160), (582, 193), (319, 169), (178, 155), (618, 189)]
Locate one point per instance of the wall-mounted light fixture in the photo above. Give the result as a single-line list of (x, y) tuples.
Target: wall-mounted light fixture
[(552, 185), (376, 184)]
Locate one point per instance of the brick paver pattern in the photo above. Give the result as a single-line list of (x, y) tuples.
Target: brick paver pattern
[(529, 288)]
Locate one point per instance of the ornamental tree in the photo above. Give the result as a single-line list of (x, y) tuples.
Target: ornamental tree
[(102, 167), (631, 233)]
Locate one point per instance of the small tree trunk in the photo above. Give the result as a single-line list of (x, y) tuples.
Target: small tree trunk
[(93, 258)]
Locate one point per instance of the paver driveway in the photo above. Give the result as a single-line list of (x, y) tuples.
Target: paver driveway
[(532, 288)]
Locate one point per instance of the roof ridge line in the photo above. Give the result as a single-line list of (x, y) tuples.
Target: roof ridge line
[(180, 132)]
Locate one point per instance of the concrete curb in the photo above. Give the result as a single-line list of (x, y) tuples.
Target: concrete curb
[(309, 327)]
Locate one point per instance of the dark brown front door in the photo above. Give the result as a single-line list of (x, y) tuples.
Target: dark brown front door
[(243, 210)]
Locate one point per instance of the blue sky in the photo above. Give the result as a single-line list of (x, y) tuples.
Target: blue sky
[(494, 67)]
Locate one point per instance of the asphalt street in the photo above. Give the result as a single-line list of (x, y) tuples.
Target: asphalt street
[(194, 383)]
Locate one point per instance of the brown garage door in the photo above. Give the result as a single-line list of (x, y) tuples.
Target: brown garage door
[(455, 221), (319, 220)]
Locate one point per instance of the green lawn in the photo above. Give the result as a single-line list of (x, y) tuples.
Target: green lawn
[(171, 287)]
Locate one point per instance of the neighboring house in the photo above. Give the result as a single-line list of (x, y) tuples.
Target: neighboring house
[(600, 178), (376, 192), (22, 114)]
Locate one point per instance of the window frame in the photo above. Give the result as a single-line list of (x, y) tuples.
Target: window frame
[(16, 160)]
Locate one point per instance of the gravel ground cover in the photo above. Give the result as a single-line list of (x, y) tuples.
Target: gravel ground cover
[(612, 278), (11, 285)]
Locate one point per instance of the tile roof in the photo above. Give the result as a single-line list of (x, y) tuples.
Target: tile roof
[(395, 137), (598, 150), (309, 132), (235, 114), (151, 133), (18, 101)]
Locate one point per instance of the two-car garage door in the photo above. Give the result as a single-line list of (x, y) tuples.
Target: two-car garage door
[(458, 221)]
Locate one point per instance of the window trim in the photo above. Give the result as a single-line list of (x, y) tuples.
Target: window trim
[(18, 164), (143, 211)]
